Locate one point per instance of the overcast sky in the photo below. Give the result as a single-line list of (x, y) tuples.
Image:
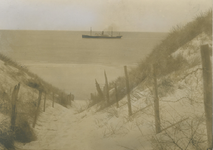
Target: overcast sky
[(123, 15)]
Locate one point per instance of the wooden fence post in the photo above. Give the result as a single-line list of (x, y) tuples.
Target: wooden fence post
[(45, 100), (37, 111), (128, 91), (107, 87), (100, 93), (116, 95), (156, 102), (61, 97), (14, 99), (53, 100), (207, 90), (69, 99)]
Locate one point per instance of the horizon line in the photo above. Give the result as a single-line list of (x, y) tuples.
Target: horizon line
[(81, 30)]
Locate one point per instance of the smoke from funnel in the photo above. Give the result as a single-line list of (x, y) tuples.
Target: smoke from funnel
[(112, 27)]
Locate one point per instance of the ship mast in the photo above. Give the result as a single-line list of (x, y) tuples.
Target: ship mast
[(90, 30)]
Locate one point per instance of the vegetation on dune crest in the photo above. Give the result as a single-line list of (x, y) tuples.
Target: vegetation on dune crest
[(161, 56), (35, 82)]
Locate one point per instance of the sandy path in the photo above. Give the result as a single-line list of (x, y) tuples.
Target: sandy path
[(59, 128)]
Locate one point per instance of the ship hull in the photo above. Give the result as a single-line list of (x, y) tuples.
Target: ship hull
[(101, 37)]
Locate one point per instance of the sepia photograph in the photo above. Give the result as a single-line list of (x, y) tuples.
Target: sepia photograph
[(106, 75)]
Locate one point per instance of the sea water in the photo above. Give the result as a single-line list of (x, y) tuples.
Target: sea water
[(72, 63)]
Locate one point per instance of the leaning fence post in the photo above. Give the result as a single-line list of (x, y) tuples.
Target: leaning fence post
[(156, 101), (107, 87), (128, 91), (207, 90), (116, 95), (37, 111), (68, 99), (14, 99), (45, 100), (53, 100)]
